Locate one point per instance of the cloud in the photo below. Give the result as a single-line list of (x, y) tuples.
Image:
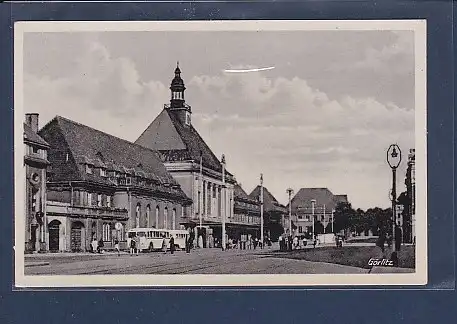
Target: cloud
[(294, 133)]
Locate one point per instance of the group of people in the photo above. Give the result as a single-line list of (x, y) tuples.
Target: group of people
[(98, 245)]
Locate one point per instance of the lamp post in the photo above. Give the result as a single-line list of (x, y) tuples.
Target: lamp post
[(333, 220), (200, 198), (261, 208), (290, 191), (324, 219), (394, 160), (313, 203), (225, 202)]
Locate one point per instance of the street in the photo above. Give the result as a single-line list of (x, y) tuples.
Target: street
[(199, 261)]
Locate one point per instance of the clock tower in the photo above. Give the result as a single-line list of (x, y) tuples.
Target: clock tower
[(177, 103)]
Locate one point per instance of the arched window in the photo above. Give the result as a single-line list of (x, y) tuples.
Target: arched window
[(106, 232), (165, 218), (173, 224), (156, 224), (148, 214), (137, 215)]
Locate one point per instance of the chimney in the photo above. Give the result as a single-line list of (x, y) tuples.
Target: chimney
[(32, 121)]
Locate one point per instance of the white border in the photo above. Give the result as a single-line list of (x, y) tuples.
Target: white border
[(417, 278)]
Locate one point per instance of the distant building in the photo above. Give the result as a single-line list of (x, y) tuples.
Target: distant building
[(100, 186), (275, 216), (409, 228), (35, 164), (325, 204), (194, 166), (246, 215)]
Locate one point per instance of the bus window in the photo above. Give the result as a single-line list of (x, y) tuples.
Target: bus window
[(141, 234), (132, 234)]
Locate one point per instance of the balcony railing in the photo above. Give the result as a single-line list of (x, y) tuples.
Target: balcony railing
[(85, 211)]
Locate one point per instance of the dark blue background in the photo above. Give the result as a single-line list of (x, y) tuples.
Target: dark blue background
[(272, 306)]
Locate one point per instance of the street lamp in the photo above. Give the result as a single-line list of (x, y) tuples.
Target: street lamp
[(394, 160), (290, 191), (313, 202), (333, 220), (224, 201), (261, 208)]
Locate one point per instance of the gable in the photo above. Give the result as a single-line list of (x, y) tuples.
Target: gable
[(161, 134), (62, 163)]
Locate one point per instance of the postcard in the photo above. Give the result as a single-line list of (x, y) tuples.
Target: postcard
[(220, 153)]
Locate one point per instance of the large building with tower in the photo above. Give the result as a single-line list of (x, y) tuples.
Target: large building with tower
[(99, 186), (195, 167)]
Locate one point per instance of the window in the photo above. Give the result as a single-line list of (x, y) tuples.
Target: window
[(121, 233), (137, 215), (108, 201), (307, 218), (102, 172), (89, 199), (128, 180), (174, 219), (106, 232), (300, 229), (165, 217), (88, 169), (156, 224), (99, 200), (148, 214), (36, 150), (322, 218)]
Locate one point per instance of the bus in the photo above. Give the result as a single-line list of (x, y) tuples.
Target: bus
[(150, 238), (180, 237)]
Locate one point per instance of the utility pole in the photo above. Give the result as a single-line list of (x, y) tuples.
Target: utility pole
[(225, 202), (313, 202), (261, 208)]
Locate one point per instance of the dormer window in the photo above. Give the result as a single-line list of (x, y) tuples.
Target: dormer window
[(88, 169), (128, 180), (187, 118), (102, 172)]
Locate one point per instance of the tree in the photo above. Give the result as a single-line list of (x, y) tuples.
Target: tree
[(343, 215), (318, 228)]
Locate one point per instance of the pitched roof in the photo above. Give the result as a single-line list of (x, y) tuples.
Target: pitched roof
[(91, 146), (188, 147), (269, 201), (240, 194), (33, 137), (323, 196)]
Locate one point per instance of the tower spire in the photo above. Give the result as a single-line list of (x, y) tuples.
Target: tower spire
[(177, 102)]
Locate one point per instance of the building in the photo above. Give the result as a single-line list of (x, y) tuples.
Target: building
[(99, 186), (35, 164), (246, 215), (324, 205), (409, 228), (193, 165), (275, 215)]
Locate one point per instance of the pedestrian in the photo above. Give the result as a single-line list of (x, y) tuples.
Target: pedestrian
[(94, 245), (187, 243), (172, 244), (132, 246), (255, 242), (295, 242), (280, 239), (314, 243), (164, 245), (100, 246), (137, 244), (116, 247)]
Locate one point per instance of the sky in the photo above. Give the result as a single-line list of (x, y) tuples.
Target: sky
[(323, 117)]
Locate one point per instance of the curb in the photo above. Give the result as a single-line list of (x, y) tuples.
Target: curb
[(35, 264)]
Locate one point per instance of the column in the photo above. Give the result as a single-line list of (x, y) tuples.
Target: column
[(210, 198), (205, 199), (219, 201)]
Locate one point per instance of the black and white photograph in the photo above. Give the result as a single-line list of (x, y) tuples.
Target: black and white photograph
[(220, 153)]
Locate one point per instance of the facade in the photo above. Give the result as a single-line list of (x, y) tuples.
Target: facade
[(35, 164), (275, 215), (324, 206), (246, 216), (409, 227), (99, 186), (194, 166)]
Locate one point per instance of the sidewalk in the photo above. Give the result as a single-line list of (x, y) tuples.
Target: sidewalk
[(68, 254)]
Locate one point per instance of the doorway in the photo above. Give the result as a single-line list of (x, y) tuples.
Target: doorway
[(77, 238), (54, 229)]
